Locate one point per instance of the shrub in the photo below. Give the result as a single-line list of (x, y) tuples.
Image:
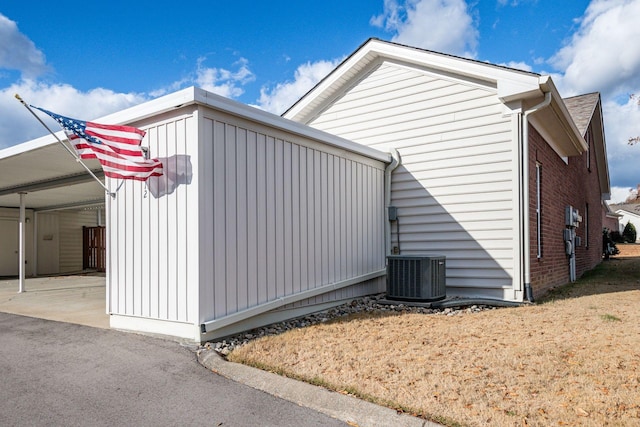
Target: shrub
[(616, 236), (629, 233)]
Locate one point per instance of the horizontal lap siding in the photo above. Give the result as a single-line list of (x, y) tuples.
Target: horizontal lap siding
[(454, 188), (286, 215), (153, 241), (70, 224)]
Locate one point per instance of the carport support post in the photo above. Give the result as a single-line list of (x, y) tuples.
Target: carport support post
[(21, 246)]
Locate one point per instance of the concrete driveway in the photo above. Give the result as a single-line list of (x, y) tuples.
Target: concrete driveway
[(79, 299)]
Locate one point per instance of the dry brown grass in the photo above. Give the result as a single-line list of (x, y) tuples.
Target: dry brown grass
[(572, 360)]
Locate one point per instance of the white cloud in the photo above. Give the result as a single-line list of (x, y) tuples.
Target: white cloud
[(441, 25), (619, 194), (518, 65), (224, 82), (17, 52), (283, 95), (622, 122), (220, 81), (18, 125), (603, 54)]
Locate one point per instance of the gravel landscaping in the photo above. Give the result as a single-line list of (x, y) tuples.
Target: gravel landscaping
[(370, 304)]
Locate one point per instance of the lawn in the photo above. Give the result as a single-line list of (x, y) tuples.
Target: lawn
[(572, 359)]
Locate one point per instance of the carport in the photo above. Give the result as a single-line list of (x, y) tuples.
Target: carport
[(39, 180)]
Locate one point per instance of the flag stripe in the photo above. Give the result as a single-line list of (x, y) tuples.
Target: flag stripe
[(116, 147), (117, 128)]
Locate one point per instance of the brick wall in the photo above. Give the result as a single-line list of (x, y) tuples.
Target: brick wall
[(611, 223), (561, 185)]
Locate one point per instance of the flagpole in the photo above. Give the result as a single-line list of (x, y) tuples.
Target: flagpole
[(69, 150)]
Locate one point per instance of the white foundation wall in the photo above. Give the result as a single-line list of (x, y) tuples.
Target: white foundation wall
[(283, 215)]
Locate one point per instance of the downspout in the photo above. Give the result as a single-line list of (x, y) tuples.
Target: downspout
[(525, 195), (395, 161)]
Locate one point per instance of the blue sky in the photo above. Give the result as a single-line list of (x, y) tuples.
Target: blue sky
[(85, 59)]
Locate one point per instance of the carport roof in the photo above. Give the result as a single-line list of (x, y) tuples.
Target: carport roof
[(52, 179), (49, 176)]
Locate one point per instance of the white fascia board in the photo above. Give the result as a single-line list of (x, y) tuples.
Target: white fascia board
[(126, 116), (625, 212), (151, 108), (194, 95), (511, 84), (562, 113), (358, 60), (255, 114), (31, 145)]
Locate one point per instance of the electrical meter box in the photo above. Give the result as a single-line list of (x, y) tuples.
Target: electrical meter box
[(572, 217)]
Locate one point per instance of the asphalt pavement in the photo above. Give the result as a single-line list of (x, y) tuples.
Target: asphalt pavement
[(62, 374), (73, 370)]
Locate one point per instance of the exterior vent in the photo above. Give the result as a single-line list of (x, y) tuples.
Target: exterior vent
[(416, 278)]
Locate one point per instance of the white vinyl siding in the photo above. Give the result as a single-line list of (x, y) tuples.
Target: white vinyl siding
[(48, 243), (267, 214), (283, 215), (153, 264), (70, 223), (454, 188)]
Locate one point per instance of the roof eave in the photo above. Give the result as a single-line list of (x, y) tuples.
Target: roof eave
[(511, 84)]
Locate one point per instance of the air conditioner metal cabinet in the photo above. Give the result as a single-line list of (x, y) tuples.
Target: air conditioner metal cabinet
[(416, 278)]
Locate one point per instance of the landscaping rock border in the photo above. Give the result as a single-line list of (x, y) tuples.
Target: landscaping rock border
[(369, 304)]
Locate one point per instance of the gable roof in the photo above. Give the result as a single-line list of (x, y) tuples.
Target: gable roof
[(632, 208), (511, 83), (581, 108), (515, 88), (587, 109)]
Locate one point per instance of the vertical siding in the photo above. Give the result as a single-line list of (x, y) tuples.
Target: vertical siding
[(154, 241), (284, 213), (454, 188)]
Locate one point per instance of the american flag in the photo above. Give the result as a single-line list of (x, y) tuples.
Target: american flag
[(116, 147)]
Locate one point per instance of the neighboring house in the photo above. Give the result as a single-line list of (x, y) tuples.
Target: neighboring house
[(628, 212), (260, 218), (610, 219), (491, 157)]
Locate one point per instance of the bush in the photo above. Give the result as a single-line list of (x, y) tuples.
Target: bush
[(616, 236), (629, 233)]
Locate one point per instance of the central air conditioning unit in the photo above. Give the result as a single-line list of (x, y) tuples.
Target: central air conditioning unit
[(416, 278)]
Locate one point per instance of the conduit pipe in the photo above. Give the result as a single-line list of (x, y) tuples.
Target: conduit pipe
[(525, 195), (395, 161)]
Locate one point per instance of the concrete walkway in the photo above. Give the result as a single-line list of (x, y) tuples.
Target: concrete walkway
[(79, 299)]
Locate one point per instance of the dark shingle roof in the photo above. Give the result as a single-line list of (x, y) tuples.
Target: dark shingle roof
[(581, 108)]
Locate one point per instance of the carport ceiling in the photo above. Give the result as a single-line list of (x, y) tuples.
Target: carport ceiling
[(49, 175)]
